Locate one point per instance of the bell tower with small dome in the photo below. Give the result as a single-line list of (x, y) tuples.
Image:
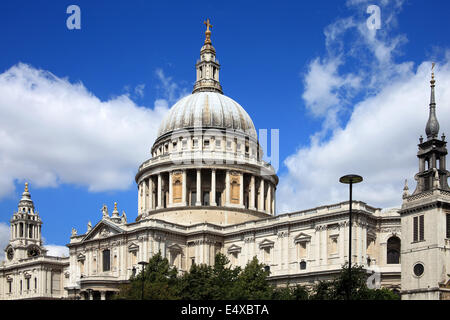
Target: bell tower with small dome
[(25, 236)]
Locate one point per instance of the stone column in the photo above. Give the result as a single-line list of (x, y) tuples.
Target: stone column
[(170, 189), (359, 243), (183, 191), (317, 246), (159, 192), (145, 203), (261, 196), (364, 244), (227, 188), (251, 198), (273, 200), (102, 295), (140, 198), (324, 242), (213, 187), (199, 188), (342, 243), (150, 193), (269, 198), (241, 189)]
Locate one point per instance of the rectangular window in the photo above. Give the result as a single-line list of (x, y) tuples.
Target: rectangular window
[(301, 249), (193, 197), (218, 143), (219, 198), (448, 226), (35, 283), (205, 198), (419, 228), (415, 228), (10, 286), (106, 260), (28, 283)]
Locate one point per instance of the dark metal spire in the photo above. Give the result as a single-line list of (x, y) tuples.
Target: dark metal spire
[(432, 128)]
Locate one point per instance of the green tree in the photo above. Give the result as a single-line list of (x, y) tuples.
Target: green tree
[(224, 278), (160, 282), (338, 288), (197, 283), (290, 293), (252, 283)]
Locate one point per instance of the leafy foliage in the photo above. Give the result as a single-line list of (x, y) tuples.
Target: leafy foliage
[(352, 286), (160, 281)]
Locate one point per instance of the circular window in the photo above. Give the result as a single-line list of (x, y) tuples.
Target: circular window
[(418, 269)]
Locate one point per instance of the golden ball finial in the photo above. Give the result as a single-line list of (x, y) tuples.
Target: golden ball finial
[(115, 205), (26, 186)]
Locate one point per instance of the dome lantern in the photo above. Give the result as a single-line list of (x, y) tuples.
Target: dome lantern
[(207, 67)]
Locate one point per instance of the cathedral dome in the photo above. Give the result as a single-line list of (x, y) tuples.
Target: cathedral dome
[(205, 110)]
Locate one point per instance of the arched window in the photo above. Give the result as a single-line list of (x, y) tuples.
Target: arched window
[(393, 250), (303, 265)]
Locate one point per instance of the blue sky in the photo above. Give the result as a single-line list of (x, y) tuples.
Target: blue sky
[(307, 68)]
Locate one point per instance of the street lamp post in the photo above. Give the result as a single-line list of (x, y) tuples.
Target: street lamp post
[(350, 179), (143, 264)]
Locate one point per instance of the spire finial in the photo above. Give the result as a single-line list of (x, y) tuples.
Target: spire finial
[(26, 186), (432, 70), (208, 32), (432, 128), (115, 206)]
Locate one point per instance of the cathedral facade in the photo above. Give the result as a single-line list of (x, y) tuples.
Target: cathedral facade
[(206, 189)]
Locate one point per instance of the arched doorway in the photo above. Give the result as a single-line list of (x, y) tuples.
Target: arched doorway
[(393, 250)]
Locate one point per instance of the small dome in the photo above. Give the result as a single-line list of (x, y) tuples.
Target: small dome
[(207, 110)]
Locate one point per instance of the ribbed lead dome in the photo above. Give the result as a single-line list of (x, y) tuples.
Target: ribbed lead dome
[(207, 110)]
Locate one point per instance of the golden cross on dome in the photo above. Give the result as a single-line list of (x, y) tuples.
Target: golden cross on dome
[(207, 24)]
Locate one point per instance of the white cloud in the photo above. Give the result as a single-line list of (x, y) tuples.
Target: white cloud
[(380, 139), (139, 90), (54, 131), (379, 142), (4, 239), (56, 250), (170, 89)]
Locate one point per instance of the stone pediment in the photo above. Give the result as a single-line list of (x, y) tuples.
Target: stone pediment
[(103, 229), (234, 248), (81, 257), (175, 247), (266, 243), (302, 237), (133, 247)]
